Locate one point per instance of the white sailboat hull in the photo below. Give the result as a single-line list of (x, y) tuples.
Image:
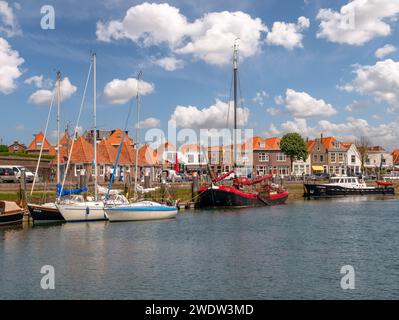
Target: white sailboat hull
[(88, 211), (140, 212)]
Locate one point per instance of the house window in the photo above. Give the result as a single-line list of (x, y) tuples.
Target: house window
[(78, 169), (263, 157), (333, 157), (283, 170), (321, 158), (281, 157), (261, 170), (315, 158), (262, 144), (171, 157), (340, 157), (214, 157), (353, 159)]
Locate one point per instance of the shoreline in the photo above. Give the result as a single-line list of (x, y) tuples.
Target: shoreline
[(182, 192)]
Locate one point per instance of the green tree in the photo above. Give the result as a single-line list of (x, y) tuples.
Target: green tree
[(3, 148), (294, 147)]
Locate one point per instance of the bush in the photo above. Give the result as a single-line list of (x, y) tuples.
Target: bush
[(24, 155), (3, 148)]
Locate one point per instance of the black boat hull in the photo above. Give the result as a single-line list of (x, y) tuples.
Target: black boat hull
[(319, 191), (11, 218), (231, 198), (44, 215)]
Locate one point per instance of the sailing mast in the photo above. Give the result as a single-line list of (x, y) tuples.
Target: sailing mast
[(235, 76), (58, 126), (95, 127), (137, 133)]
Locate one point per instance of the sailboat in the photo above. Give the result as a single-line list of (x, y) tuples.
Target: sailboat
[(239, 195), (139, 210), (93, 210), (48, 212)]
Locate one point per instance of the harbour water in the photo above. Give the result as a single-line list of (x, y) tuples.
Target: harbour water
[(293, 251)]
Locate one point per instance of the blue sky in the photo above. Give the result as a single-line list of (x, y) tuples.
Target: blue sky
[(327, 80)]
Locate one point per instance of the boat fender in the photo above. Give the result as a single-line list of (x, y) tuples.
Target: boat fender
[(87, 210)]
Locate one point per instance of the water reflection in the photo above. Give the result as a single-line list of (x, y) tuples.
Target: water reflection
[(291, 251)]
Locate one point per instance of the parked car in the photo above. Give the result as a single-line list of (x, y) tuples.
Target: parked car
[(322, 176), (394, 175), (7, 175), (309, 177), (28, 174), (172, 176)]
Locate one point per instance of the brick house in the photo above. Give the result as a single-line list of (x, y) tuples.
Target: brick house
[(16, 147), (36, 144), (329, 156), (268, 158)]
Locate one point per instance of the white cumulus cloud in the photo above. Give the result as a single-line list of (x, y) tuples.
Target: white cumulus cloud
[(149, 123), (259, 97), (43, 97), (384, 134), (213, 117), (170, 63), (208, 38), (288, 35), (121, 91), (358, 22), (301, 104), (10, 62), (8, 22), (380, 81), (385, 50), (35, 80)]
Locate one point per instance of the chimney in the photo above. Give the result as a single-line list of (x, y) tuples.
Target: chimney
[(321, 137)]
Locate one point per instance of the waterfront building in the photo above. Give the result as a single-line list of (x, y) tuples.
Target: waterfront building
[(301, 167), (354, 159), (16, 147), (269, 159), (395, 159), (193, 157), (378, 158), (328, 156), (36, 145)]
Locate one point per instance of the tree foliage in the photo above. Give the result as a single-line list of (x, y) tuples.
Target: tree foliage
[(3, 148), (293, 146)]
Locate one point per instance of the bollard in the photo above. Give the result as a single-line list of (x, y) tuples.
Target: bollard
[(23, 188), (195, 187), (147, 181)]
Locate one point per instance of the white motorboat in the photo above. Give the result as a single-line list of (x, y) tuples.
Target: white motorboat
[(139, 211), (346, 186)]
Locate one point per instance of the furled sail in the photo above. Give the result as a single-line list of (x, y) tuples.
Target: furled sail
[(64, 192)]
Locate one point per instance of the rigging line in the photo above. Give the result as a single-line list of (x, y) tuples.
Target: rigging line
[(111, 180), (41, 147), (75, 131)]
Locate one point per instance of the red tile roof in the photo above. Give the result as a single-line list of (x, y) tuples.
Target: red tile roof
[(376, 148), (35, 145), (115, 138), (147, 156), (395, 155)]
